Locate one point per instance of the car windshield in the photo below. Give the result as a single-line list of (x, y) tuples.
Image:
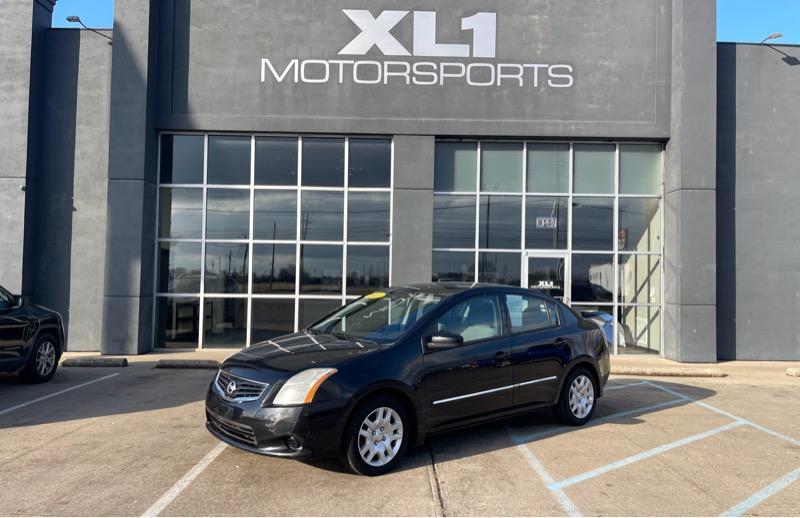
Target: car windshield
[(380, 316)]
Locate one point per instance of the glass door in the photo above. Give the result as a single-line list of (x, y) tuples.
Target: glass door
[(547, 272)]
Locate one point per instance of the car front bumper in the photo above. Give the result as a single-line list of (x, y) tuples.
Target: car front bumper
[(315, 428)]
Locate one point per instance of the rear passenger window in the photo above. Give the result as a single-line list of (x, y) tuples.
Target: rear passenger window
[(478, 318), (530, 313)]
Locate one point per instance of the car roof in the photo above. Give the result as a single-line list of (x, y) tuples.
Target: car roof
[(447, 288)]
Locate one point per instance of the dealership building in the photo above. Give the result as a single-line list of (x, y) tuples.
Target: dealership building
[(216, 173)]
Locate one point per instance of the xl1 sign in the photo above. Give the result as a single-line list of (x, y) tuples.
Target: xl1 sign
[(477, 65)]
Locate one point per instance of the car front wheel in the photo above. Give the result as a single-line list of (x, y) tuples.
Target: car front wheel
[(377, 436), (43, 360), (577, 400)]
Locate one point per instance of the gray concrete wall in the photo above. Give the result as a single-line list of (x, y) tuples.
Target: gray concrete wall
[(757, 172), (132, 169), (690, 187), (619, 50), (73, 166)]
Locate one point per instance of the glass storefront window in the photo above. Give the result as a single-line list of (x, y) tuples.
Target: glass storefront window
[(639, 329), (182, 159), (180, 213), (228, 160), (323, 162), (640, 279), (500, 222), (501, 167), (592, 278), (593, 224), (453, 221), (548, 168), (258, 261), (276, 161), (455, 168), (227, 214), (369, 163), (499, 268), (368, 216), (453, 266), (639, 224), (594, 168), (546, 223), (640, 169)]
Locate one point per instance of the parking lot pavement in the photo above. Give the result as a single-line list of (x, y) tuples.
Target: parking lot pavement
[(131, 441)]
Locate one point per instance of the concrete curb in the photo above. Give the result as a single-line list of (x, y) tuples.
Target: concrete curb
[(681, 372), (187, 364), (793, 372), (95, 362)]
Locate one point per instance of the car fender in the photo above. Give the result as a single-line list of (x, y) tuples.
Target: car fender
[(579, 360)]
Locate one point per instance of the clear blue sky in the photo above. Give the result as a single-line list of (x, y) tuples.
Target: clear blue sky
[(737, 20)]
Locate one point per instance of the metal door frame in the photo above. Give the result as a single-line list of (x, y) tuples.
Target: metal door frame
[(550, 254)]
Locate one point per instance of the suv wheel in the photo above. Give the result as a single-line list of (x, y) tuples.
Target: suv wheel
[(577, 400), (43, 361), (376, 436)]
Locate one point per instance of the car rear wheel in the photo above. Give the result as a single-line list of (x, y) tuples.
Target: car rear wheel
[(376, 436), (43, 360), (578, 397)]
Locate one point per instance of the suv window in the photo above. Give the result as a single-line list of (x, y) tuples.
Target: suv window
[(530, 313), (477, 318)]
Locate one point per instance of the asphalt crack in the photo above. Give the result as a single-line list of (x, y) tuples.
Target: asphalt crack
[(438, 491)]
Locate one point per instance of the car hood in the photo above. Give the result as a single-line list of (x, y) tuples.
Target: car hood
[(295, 352)]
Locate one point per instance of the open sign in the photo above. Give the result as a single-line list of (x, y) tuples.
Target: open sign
[(549, 222)]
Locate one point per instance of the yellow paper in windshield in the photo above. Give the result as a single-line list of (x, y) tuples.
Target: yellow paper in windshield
[(375, 295)]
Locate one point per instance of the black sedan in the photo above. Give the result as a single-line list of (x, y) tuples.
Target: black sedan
[(31, 338), (378, 375)]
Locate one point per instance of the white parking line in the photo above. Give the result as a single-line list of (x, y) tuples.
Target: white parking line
[(54, 394), (625, 385), (766, 492), (187, 479)]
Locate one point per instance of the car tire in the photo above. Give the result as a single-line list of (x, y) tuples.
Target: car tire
[(578, 398), (43, 361), (375, 416)]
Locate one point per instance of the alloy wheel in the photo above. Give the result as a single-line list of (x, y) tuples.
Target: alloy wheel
[(45, 358), (581, 396), (380, 436)]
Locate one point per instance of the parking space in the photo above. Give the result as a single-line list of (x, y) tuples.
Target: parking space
[(131, 441)]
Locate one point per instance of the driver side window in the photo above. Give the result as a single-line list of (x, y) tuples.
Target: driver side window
[(477, 318)]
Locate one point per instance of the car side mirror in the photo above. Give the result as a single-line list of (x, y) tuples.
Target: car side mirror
[(18, 301), (444, 340)]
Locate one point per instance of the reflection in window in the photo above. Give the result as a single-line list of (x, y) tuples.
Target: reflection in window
[(228, 160), (368, 216), (530, 313), (321, 269), (322, 217), (546, 223), (640, 168), (271, 318), (500, 222), (593, 223), (177, 321), (453, 266), (477, 318), (453, 221), (369, 162), (228, 214), (275, 215), (499, 268), (367, 269), (548, 168), (312, 310), (226, 268), (639, 329), (639, 279), (594, 168), (179, 267), (276, 161), (501, 167), (181, 159), (592, 277), (455, 166), (180, 213), (224, 322), (273, 268), (640, 224), (323, 162)]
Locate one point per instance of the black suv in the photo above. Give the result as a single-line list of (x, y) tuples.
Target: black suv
[(31, 338)]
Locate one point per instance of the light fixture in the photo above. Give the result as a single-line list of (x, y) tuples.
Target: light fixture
[(77, 19), (773, 36)]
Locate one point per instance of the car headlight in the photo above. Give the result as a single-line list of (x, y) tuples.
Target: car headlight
[(300, 388)]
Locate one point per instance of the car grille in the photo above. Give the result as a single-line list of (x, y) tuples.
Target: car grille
[(245, 390), (236, 431)]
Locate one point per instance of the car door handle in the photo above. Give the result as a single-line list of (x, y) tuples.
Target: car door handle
[(501, 359), (561, 343)]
